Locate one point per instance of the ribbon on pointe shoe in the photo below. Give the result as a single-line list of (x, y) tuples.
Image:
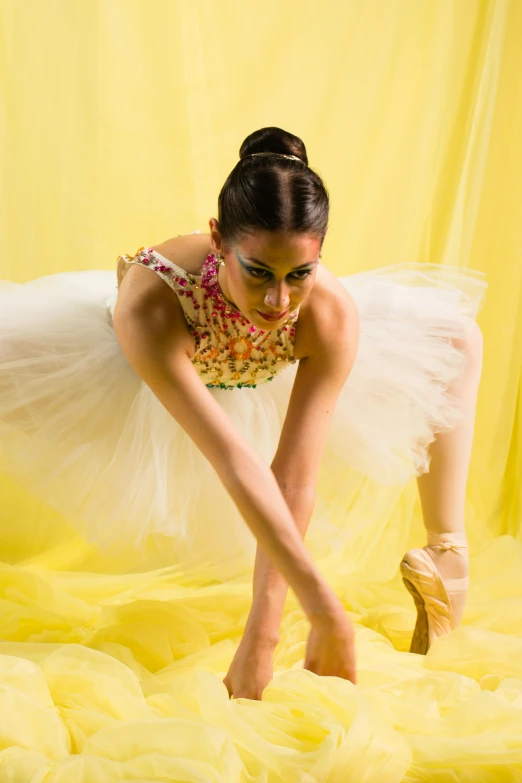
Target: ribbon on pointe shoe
[(445, 542)]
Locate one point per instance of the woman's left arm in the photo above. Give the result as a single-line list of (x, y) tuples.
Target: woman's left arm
[(332, 337)]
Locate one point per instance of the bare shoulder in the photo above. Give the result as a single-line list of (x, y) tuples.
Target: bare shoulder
[(144, 294), (327, 318), (136, 282), (188, 251)]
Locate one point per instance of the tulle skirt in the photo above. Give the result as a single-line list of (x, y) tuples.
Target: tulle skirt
[(81, 430)]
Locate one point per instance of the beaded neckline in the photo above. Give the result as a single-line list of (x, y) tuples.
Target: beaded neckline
[(210, 282)]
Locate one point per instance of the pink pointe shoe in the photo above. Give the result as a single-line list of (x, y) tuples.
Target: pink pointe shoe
[(431, 592)]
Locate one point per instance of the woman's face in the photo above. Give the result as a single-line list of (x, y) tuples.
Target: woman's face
[(267, 273)]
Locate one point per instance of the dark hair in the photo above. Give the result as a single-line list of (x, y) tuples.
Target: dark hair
[(272, 193)]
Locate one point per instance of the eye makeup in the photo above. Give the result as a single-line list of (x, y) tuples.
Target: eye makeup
[(304, 269)]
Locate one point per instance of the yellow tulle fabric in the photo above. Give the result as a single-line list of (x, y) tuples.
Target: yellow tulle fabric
[(119, 677)]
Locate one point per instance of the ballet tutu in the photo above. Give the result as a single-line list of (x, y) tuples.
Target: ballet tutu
[(82, 431)]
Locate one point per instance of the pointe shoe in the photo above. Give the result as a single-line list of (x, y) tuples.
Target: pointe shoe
[(430, 591)]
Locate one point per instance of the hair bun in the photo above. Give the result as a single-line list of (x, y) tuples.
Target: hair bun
[(273, 140)]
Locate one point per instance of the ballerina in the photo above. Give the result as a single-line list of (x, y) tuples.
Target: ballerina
[(380, 369)]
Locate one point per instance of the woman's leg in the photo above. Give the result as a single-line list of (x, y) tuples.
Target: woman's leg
[(442, 490)]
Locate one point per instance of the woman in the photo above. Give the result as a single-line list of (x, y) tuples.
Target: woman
[(147, 411)]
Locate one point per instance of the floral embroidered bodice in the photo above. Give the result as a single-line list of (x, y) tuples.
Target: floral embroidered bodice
[(230, 351)]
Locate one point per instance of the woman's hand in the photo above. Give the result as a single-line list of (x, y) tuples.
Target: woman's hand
[(251, 669), (330, 650)]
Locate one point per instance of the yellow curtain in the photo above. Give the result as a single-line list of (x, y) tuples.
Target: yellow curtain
[(121, 120)]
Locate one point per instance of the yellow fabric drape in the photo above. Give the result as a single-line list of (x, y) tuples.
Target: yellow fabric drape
[(121, 121)]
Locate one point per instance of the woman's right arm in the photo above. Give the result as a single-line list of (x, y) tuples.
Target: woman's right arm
[(153, 334)]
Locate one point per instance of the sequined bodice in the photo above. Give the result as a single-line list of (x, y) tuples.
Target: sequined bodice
[(230, 352)]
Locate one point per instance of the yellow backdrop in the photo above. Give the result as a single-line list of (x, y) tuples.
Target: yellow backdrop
[(121, 120)]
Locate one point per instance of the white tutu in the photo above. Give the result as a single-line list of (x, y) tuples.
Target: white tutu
[(80, 429)]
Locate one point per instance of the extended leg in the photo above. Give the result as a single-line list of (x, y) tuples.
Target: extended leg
[(442, 490)]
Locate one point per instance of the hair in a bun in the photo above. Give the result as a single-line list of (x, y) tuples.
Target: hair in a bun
[(270, 192), (273, 140)]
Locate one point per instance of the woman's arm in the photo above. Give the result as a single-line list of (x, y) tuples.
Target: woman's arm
[(332, 334), (153, 334)]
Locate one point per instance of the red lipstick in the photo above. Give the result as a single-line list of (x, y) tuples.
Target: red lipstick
[(270, 317)]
